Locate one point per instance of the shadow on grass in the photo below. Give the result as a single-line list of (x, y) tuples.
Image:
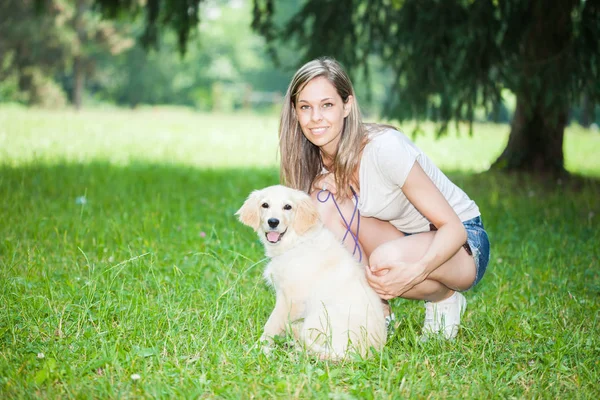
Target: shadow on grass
[(213, 195), (527, 220), (147, 181)]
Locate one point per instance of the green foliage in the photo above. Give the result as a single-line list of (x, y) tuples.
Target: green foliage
[(44, 92), (125, 273), (447, 60), (40, 44), (180, 17), (224, 62), (99, 56), (9, 84), (32, 47), (448, 57)]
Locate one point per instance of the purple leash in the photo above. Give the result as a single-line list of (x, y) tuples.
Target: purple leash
[(355, 212)]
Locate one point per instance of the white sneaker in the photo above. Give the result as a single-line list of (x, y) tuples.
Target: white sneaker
[(443, 317)]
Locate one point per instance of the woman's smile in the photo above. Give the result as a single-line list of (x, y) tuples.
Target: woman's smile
[(319, 130), (321, 113)]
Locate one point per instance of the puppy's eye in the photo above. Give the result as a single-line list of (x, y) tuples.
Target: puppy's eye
[(287, 207), (265, 205)]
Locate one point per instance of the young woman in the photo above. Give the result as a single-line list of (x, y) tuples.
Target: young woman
[(418, 235)]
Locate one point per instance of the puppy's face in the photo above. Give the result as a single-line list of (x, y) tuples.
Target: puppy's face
[(278, 214)]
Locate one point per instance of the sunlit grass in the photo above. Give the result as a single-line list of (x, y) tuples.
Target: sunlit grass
[(153, 135), (183, 137), (124, 274)]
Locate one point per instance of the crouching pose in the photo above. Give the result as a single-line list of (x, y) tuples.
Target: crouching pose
[(418, 235)]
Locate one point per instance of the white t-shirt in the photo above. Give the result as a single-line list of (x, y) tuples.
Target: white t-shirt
[(386, 161)]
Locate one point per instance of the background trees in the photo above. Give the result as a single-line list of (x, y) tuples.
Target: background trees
[(449, 60), (51, 47), (58, 51), (449, 57), (32, 47)]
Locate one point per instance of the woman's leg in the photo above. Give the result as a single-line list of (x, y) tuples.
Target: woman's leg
[(443, 306), (378, 237), (456, 274)]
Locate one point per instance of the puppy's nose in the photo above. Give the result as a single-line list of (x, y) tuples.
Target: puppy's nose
[(273, 222)]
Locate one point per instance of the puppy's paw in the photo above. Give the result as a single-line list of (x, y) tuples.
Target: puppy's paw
[(266, 344), (267, 350)]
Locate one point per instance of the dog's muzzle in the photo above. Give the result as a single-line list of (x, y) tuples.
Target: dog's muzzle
[(274, 236)]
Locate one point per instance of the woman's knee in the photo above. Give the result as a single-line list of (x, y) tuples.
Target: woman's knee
[(384, 252), (405, 249)]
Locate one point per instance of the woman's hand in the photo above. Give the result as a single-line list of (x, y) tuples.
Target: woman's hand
[(325, 182), (394, 278)]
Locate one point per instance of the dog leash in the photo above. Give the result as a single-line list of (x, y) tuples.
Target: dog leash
[(355, 212)]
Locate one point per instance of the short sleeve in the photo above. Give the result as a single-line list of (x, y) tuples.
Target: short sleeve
[(395, 157)]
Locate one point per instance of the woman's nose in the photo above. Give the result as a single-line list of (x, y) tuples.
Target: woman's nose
[(316, 114)]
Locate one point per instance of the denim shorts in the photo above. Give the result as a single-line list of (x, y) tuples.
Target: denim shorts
[(478, 241), (478, 246)]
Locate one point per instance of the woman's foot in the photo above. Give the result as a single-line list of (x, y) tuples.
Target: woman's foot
[(443, 317)]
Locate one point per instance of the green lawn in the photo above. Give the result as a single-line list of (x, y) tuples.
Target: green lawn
[(123, 272)]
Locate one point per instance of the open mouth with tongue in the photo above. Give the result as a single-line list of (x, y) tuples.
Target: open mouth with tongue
[(274, 237)]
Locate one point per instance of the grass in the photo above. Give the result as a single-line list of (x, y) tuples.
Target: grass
[(120, 258)]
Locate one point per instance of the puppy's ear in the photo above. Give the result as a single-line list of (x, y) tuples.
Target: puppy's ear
[(307, 215), (249, 213)]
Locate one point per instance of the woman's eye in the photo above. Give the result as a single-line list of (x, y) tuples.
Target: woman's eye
[(265, 205), (304, 107), (287, 207), (327, 105)]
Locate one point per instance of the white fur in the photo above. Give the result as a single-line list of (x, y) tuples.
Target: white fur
[(322, 294)]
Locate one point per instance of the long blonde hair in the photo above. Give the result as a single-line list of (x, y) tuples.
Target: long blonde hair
[(301, 160)]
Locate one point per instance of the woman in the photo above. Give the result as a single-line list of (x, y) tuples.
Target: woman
[(419, 235)]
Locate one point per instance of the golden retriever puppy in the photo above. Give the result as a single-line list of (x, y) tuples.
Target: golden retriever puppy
[(322, 294)]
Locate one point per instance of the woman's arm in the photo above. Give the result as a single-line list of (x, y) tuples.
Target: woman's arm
[(420, 190), (391, 277)]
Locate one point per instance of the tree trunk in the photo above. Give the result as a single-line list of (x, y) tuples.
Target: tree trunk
[(536, 137), (78, 82), (587, 111), (78, 62), (535, 143)]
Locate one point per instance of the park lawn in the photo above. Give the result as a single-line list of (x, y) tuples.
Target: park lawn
[(124, 273)]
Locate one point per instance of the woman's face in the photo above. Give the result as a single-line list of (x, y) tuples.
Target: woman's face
[(321, 112)]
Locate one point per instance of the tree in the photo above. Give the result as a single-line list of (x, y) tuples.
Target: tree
[(450, 56), (92, 38), (42, 39), (447, 57), (221, 61), (180, 16), (32, 47)]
